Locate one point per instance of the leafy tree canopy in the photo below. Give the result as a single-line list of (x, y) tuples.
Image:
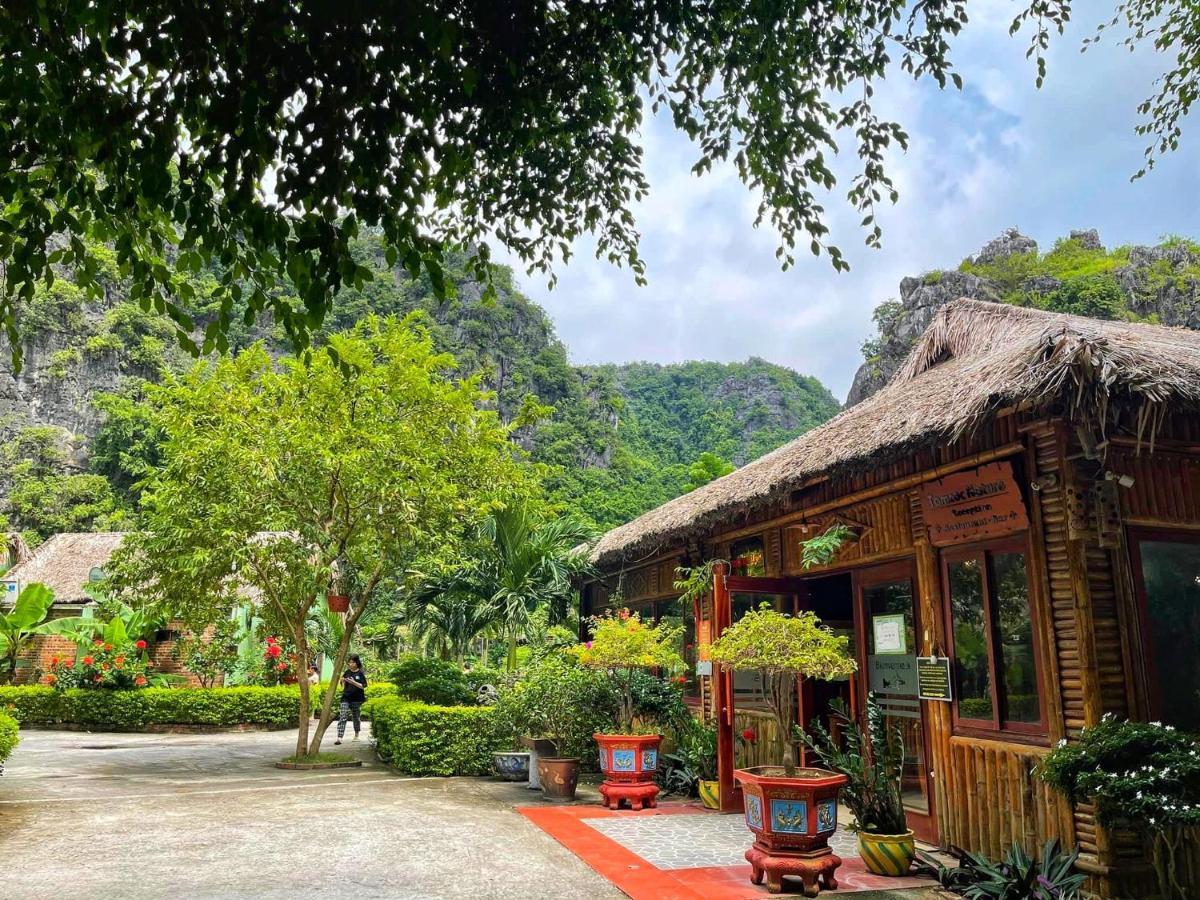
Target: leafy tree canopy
[(258, 138), (308, 475)]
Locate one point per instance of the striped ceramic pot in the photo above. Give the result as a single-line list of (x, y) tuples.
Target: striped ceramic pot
[(887, 854)]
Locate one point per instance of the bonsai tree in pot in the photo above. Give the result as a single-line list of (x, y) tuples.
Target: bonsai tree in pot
[(791, 811), (872, 764), (622, 645)]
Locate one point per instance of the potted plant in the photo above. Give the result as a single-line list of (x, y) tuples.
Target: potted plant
[(872, 765), (622, 645), (691, 770), (791, 811), (556, 707)]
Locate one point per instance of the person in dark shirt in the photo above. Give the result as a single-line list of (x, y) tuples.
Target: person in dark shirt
[(354, 692)]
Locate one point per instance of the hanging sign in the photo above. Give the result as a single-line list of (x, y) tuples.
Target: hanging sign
[(978, 503), (933, 678), (10, 589)]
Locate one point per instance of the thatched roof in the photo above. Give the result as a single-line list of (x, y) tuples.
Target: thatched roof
[(974, 359), (65, 561)]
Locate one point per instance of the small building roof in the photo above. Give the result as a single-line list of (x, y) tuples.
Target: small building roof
[(974, 359), (64, 563)]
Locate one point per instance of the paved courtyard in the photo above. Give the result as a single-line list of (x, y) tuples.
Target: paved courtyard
[(203, 816)]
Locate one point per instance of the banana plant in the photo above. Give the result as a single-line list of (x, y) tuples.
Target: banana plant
[(19, 627)]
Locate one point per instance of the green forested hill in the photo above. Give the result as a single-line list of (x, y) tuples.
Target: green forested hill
[(615, 440)]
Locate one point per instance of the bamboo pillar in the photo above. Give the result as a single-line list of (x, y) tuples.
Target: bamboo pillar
[(723, 696)]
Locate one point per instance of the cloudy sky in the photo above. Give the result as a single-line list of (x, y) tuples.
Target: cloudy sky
[(997, 154)]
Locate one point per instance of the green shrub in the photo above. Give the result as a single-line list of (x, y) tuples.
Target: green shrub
[(429, 680), (433, 740), (560, 700), (8, 736), (132, 710)]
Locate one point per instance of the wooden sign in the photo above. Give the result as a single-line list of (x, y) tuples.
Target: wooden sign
[(933, 678), (971, 505)]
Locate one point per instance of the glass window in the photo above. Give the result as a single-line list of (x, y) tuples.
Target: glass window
[(676, 612), (1170, 574), (747, 557), (991, 621), (970, 640)]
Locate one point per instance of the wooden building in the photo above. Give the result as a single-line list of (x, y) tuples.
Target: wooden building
[(1024, 503)]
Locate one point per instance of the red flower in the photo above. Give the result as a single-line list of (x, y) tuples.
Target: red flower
[(104, 666), (624, 614), (140, 681), (98, 679), (749, 735), (51, 679), (70, 663), (87, 660), (119, 661), (108, 646), (270, 640), (274, 651), (680, 679), (691, 646), (54, 660), (282, 667), (97, 643), (141, 645)]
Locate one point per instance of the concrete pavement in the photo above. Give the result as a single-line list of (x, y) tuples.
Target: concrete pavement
[(204, 816)]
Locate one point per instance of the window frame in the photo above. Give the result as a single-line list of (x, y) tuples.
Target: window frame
[(1133, 538), (999, 725)]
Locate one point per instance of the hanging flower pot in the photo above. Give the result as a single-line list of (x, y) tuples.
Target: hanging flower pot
[(338, 603)]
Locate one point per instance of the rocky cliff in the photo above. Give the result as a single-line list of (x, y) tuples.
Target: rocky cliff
[(1078, 275)]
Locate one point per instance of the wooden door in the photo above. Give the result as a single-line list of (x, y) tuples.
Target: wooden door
[(888, 623)]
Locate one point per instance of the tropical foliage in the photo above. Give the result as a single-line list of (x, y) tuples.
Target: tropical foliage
[(782, 648), (872, 762), (1018, 876), (9, 738), (20, 625), (519, 561)]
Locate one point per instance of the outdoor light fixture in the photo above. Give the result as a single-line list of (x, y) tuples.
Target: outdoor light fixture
[(1125, 481)]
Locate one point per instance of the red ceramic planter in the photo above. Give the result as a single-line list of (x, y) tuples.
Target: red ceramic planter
[(629, 763), (790, 815)]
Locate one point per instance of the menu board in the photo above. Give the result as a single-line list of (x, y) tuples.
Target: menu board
[(933, 678)]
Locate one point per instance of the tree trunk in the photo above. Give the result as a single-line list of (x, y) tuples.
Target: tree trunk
[(302, 667), (779, 689)]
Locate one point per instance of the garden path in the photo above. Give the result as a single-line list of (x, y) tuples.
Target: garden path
[(207, 816)]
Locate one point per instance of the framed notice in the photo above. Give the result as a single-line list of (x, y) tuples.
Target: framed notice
[(9, 590), (889, 634), (972, 505), (933, 678)]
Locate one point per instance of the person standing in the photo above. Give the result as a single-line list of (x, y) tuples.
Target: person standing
[(314, 681), (354, 692)]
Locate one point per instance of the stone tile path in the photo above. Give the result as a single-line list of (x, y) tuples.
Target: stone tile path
[(691, 842)]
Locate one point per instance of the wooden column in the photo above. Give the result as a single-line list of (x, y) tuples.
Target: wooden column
[(723, 695)]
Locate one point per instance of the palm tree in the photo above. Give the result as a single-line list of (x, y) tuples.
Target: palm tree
[(444, 619), (519, 561)]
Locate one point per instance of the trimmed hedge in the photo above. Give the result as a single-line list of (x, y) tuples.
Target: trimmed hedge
[(271, 707), (8, 736), (434, 740)]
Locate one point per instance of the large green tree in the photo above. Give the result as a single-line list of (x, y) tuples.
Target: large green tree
[(305, 476), (256, 137)]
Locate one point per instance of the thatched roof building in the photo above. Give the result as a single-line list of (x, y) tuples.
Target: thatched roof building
[(65, 563), (974, 359)]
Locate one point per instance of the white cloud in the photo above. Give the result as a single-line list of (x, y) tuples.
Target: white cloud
[(1000, 153)]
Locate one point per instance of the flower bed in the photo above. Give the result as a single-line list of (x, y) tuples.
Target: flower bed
[(135, 710), (433, 740)]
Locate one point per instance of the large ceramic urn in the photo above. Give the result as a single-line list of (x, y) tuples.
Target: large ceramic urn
[(790, 814), (629, 763)]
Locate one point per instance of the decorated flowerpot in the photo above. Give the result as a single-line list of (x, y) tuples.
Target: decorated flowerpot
[(338, 603), (629, 763), (790, 815), (629, 758), (887, 854), (559, 777), (511, 765), (710, 794)]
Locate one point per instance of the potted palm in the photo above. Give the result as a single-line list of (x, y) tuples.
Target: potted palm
[(792, 811), (621, 646), (872, 765)]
